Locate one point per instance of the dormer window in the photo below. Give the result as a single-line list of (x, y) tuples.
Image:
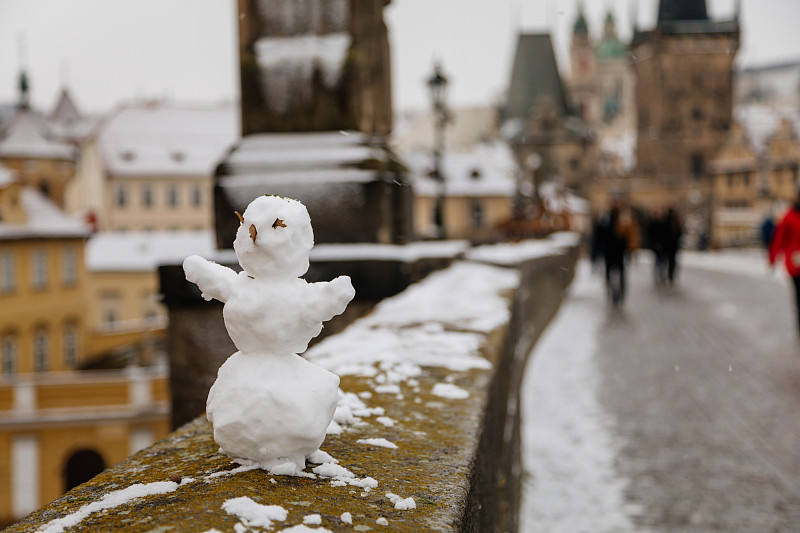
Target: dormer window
[(475, 174), (127, 155), (177, 156)]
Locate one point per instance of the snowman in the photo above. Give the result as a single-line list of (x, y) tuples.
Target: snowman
[(268, 404)]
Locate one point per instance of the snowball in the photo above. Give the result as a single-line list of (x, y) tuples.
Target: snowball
[(347, 518), (401, 503), (378, 442), (253, 514), (385, 420), (319, 457), (448, 390), (305, 529), (312, 519)]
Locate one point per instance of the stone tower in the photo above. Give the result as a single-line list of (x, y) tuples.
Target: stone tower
[(314, 65), (583, 79), (684, 90)]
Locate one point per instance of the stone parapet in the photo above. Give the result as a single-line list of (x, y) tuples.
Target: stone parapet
[(430, 412)]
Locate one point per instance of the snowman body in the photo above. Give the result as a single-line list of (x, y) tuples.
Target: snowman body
[(268, 404)]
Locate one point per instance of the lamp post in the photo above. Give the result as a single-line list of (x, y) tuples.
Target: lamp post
[(437, 84)]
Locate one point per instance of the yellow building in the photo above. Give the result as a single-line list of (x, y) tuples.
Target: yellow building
[(59, 425), (150, 167), (125, 314), (28, 147)]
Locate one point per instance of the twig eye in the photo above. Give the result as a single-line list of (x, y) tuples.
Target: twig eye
[(278, 224), (241, 218)]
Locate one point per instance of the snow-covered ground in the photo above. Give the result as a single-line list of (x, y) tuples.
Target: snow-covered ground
[(569, 446), (569, 485)]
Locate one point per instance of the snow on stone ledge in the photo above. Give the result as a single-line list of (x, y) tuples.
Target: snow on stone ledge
[(440, 321), (518, 252)]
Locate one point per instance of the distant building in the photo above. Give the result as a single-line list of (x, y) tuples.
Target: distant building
[(538, 121), (149, 167), (59, 425), (776, 84), (684, 91), (755, 173)]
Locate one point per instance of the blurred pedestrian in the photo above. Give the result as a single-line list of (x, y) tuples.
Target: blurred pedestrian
[(655, 237), (616, 236), (673, 230), (786, 242), (766, 230)]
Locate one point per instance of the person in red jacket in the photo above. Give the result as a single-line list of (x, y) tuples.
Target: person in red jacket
[(786, 242)]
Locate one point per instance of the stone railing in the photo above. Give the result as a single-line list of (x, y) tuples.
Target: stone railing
[(427, 433)]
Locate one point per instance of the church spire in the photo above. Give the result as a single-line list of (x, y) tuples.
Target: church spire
[(24, 90), (676, 10)]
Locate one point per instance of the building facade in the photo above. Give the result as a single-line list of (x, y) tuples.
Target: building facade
[(59, 425)]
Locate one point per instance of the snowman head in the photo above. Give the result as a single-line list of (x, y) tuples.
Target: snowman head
[(274, 237)]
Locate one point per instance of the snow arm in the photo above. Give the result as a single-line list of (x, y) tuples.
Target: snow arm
[(333, 297), (215, 281)]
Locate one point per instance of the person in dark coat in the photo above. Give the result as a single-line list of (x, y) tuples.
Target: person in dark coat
[(616, 235), (673, 230)]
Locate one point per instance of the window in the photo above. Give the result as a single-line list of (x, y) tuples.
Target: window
[(44, 187), (172, 195), (41, 348), (477, 214), (147, 196), (110, 305), (70, 345), (68, 267), (697, 164), (39, 278), (197, 196), (121, 196), (9, 355), (8, 276)]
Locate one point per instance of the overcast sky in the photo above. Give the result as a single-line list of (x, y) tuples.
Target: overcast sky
[(108, 51)]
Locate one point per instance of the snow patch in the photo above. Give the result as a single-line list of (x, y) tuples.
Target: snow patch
[(448, 390), (380, 442), (253, 514)]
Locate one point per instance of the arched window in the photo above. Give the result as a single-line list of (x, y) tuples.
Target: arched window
[(82, 466)]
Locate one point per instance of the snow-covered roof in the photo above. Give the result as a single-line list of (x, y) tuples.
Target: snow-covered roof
[(163, 140), (488, 169), (145, 251), (43, 219), (27, 135), (761, 121)]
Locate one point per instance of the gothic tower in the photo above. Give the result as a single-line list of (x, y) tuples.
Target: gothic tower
[(684, 90), (583, 81)]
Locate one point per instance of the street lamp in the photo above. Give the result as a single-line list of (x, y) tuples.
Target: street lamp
[(437, 84)]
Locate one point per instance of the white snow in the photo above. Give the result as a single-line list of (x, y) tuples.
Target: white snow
[(568, 443), (347, 518), (385, 420), (254, 514), (380, 442), (300, 528), (145, 251), (448, 390), (512, 253), (312, 519), (44, 219), (110, 500), (288, 65), (400, 503), (432, 323), (159, 140), (382, 521), (268, 404)]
